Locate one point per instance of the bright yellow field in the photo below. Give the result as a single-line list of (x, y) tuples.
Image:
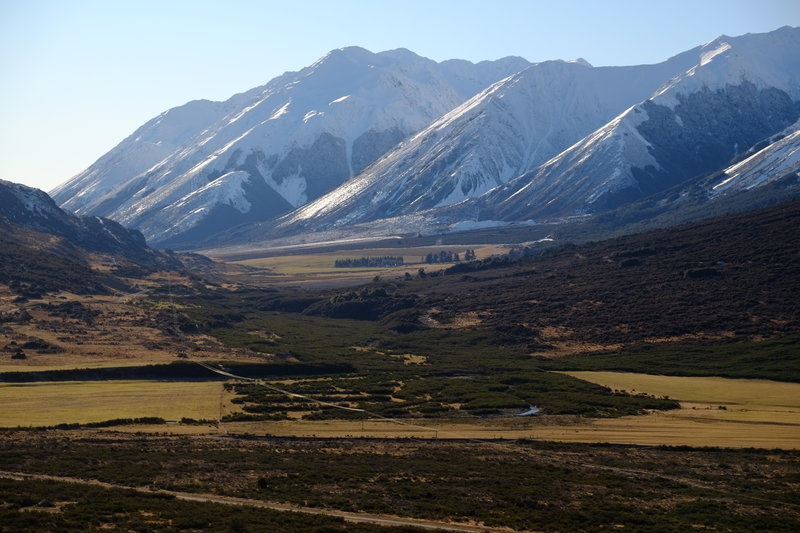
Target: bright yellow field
[(48, 403)]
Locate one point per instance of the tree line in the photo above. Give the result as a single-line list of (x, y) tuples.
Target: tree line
[(359, 262), (446, 256)]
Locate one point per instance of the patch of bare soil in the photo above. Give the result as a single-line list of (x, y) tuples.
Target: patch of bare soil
[(433, 319)]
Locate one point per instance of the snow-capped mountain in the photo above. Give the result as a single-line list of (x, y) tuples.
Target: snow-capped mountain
[(742, 90), (508, 129), (207, 165), (363, 142), (779, 159)]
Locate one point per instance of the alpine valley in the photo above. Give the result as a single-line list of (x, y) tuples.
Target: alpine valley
[(411, 295), (375, 144)]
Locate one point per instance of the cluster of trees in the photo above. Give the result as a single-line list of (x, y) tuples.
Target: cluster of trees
[(446, 256), (353, 262), (443, 256)]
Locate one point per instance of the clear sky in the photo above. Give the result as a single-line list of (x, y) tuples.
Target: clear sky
[(78, 76)]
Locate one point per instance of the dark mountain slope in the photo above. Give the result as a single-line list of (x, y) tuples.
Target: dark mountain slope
[(33, 263), (730, 278), (44, 249), (737, 275)]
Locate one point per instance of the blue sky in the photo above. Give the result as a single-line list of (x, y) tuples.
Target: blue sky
[(80, 75)]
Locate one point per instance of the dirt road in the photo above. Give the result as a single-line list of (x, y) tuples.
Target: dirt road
[(383, 520)]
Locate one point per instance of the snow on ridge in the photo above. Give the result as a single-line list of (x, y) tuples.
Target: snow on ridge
[(767, 60), (311, 114), (284, 109), (226, 189), (774, 161), (706, 57)]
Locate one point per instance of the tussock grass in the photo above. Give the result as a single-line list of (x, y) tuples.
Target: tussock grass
[(50, 404), (747, 394)]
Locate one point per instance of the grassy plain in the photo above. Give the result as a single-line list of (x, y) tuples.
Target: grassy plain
[(676, 428), (737, 395), (734, 413), (714, 412), (318, 268), (53, 403), (757, 413)]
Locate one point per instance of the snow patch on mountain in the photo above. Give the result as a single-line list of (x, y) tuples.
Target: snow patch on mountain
[(761, 59), (694, 125), (292, 188), (778, 159), (224, 190), (706, 57)]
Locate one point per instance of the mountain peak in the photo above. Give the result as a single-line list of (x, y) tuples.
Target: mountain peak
[(351, 51), (339, 58), (401, 54), (580, 61), (280, 145)]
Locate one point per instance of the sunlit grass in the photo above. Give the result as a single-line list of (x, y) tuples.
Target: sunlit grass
[(323, 263), (49, 404), (747, 394)]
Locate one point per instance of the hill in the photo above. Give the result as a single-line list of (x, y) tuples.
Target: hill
[(46, 249)]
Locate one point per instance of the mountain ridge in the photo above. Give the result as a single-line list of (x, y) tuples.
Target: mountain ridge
[(551, 140), (302, 134)]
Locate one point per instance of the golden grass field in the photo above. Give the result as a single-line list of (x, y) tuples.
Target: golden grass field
[(52, 403), (757, 413), (738, 395), (754, 412), (318, 268)]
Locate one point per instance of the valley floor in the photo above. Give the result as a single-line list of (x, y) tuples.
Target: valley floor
[(719, 412)]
